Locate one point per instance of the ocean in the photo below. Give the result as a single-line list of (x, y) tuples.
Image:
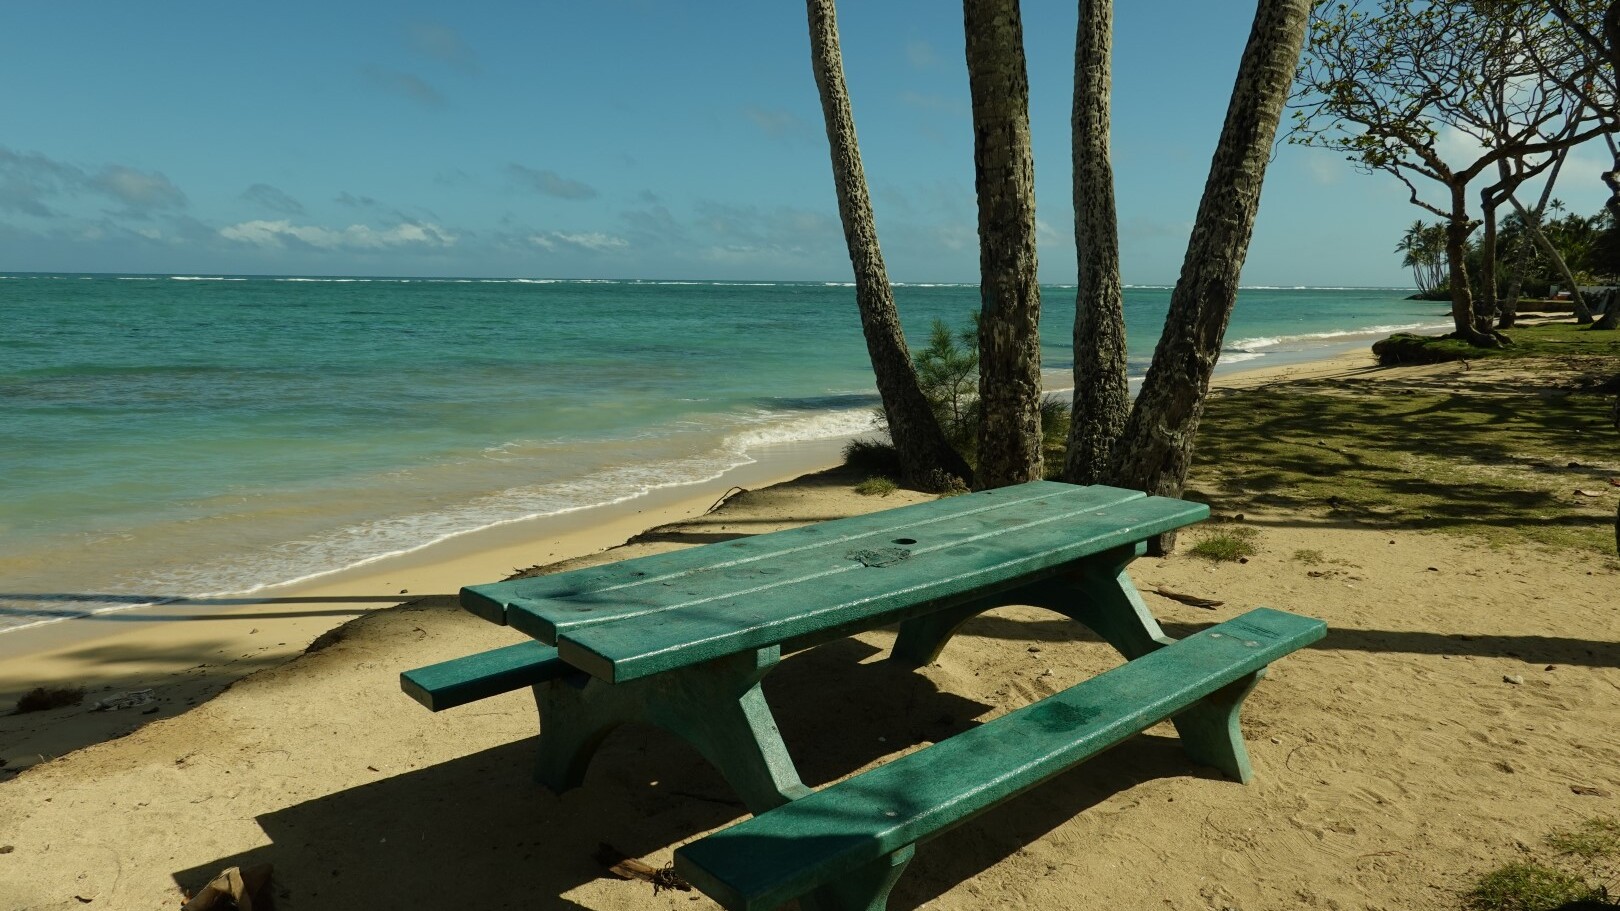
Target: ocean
[(168, 436)]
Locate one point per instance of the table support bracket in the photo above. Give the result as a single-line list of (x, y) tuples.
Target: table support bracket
[(717, 707)]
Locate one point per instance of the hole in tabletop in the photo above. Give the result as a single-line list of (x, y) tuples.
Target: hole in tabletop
[(905, 540)]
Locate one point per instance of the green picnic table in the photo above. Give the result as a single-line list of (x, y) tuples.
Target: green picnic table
[(683, 639)]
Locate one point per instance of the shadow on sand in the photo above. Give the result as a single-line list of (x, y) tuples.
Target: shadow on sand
[(477, 832)]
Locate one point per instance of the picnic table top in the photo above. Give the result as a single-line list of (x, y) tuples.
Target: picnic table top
[(803, 585)]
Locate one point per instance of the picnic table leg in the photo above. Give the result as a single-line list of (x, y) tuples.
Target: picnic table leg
[(865, 888), (1100, 596), (718, 708), (921, 639)]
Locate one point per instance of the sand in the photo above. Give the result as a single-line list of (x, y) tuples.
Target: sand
[(1466, 702)]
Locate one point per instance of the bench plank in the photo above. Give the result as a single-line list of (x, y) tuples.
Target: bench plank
[(820, 593), (842, 830), (451, 683), (544, 605)]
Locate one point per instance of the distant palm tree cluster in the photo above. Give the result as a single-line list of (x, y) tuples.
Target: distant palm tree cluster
[(1588, 244)]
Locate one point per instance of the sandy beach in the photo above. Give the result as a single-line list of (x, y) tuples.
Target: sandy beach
[(1465, 703)]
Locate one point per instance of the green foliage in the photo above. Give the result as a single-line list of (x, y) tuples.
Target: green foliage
[(948, 372), (876, 457), (1527, 887), (1424, 249), (1309, 557), (876, 487)]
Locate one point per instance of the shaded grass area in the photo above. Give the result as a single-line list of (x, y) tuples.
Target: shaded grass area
[(1497, 449)]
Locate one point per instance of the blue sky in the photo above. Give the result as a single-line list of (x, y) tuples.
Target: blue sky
[(610, 140)]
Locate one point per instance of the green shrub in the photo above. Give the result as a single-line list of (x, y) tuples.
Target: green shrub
[(41, 699), (876, 457), (1309, 557)]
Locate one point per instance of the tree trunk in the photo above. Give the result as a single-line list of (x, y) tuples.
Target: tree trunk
[(1004, 177), (1102, 397), (1156, 449), (1532, 223), (1611, 311), (1488, 305), (1508, 313), (1462, 298), (926, 458)]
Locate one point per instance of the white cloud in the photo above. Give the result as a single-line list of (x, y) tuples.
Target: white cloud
[(282, 233), (593, 241)]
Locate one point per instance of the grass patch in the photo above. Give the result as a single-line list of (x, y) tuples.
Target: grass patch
[(1226, 546), (1495, 451), (41, 699), (1587, 862), (876, 487), (1595, 839), (1309, 557), (1528, 887)]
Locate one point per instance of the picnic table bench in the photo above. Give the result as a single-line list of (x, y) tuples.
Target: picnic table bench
[(683, 639)]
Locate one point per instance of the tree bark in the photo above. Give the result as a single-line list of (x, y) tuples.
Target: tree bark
[(1611, 311), (1508, 313), (1532, 223), (1489, 305), (1102, 398), (927, 459), (1156, 449), (1009, 450), (1462, 297)]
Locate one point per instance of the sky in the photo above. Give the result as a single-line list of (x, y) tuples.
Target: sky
[(613, 139)]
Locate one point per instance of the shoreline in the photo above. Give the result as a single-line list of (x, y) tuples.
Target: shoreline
[(188, 650)]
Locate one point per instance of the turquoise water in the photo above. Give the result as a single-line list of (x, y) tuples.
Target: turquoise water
[(165, 436)]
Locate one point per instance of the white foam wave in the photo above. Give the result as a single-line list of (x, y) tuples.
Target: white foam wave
[(822, 426), (205, 278), (1272, 341)]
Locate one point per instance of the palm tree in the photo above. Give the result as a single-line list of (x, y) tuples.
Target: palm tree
[(1102, 399), (1009, 449), (927, 459), (1156, 449)]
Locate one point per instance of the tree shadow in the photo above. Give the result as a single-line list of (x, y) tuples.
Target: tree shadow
[(1530, 649)]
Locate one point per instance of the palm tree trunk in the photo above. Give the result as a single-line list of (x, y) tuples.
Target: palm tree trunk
[(1156, 449), (1009, 450), (926, 458), (1101, 392)]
